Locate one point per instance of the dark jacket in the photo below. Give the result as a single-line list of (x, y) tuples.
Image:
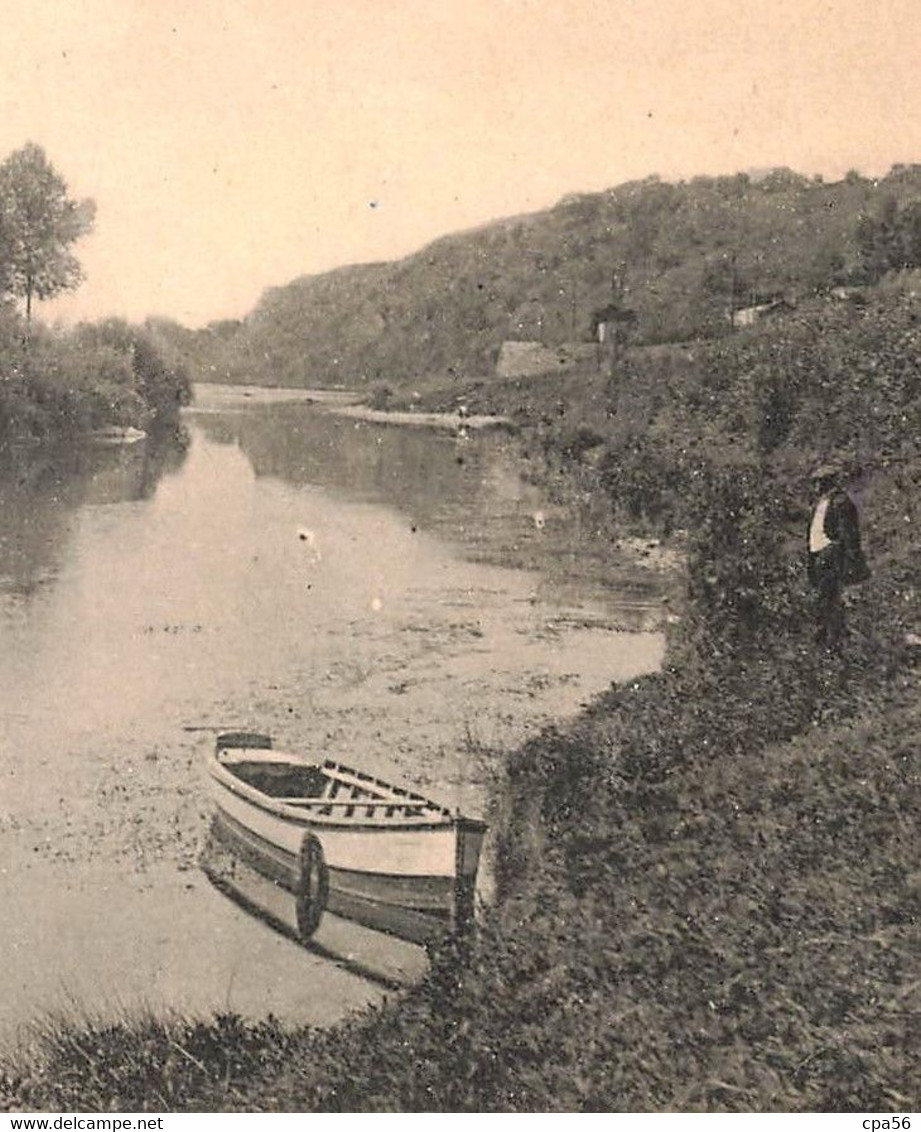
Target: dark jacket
[(841, 562)]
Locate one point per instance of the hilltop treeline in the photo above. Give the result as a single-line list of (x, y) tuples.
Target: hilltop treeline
[(680, 256)]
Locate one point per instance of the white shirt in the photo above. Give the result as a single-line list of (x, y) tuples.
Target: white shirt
[(818, 539)]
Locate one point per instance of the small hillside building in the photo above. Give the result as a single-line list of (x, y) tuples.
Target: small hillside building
[(611, 322)]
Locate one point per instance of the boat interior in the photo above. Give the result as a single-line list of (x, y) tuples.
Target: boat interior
[(331, 790), (282, 779)]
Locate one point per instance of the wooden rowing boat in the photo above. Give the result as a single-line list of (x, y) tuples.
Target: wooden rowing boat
[(328, 837)]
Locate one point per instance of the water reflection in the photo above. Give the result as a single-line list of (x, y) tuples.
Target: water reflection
[(419, 469), (43, 488), (472, 494)]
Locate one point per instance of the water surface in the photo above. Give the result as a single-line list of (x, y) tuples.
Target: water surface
[(388, 596)]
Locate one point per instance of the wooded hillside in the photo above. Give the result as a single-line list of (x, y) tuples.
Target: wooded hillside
[(681, 257)]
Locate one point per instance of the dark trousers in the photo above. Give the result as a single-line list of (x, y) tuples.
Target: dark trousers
[(826, 576)]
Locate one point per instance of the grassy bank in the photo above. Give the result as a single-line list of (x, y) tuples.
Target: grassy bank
[(708, 886)]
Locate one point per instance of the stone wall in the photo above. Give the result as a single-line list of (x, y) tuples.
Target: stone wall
[(528, 359)]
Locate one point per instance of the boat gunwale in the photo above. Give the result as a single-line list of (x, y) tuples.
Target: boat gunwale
[(300, 815), (346, 774)]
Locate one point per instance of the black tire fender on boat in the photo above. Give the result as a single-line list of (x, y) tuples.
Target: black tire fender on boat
[(312, 886)]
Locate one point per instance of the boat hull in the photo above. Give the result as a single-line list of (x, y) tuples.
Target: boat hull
[(416, 882)]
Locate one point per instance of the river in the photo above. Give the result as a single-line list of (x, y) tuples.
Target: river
[(391, 596)]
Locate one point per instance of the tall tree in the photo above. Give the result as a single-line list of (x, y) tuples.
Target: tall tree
[(40, 222)]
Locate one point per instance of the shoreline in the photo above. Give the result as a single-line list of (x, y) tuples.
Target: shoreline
[(452, 422)]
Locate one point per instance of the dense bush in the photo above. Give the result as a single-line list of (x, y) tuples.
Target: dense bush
[(63, 383), (163, 389)]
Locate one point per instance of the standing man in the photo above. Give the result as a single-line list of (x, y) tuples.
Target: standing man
[(835, 556)]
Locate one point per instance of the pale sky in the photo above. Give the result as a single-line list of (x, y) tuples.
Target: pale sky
[(232, 145)]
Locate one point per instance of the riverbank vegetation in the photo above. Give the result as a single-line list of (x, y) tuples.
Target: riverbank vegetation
[(69, 382), (65, 383), (708, 887)]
